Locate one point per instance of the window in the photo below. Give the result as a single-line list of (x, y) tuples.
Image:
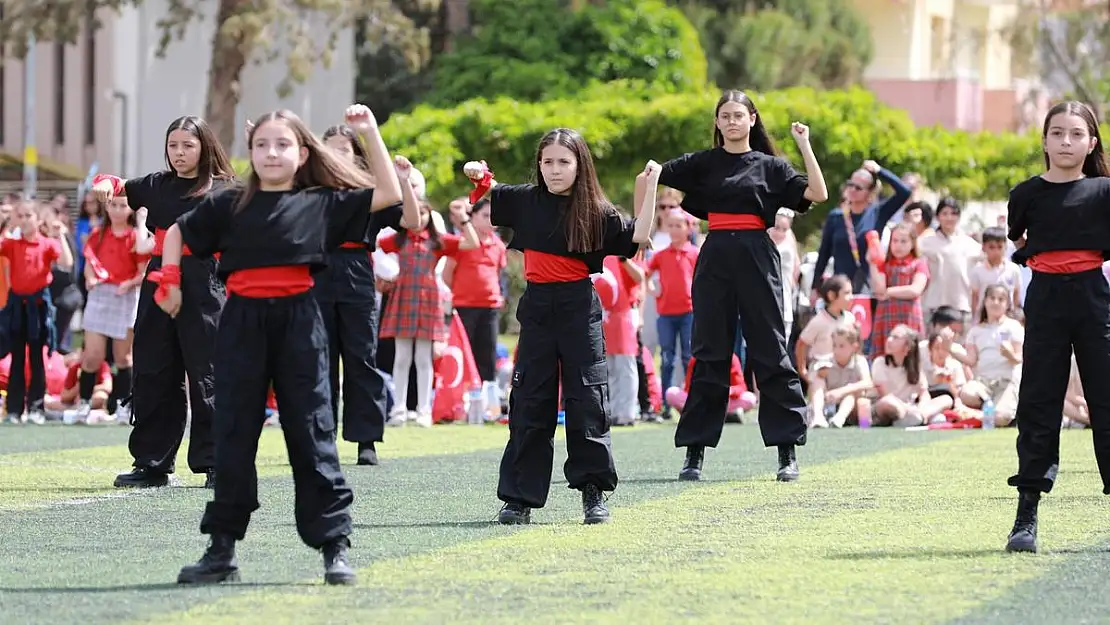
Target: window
[(90, 80), (59, 93)]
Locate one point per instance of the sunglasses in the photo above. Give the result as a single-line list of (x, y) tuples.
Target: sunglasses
[(856, 186), (664, 207)]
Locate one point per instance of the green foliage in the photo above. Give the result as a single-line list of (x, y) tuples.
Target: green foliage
[(625, 128), (774, 44), (536, 49)]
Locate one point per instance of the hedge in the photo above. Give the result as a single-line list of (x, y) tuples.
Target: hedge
[(625, 126)]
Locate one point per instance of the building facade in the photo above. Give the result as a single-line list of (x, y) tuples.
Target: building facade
[(108, 98), (950, 62)]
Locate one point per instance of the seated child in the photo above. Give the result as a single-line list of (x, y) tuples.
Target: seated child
[(904, 399), (67, 402), (840, 386), (739, 397), (944, 374)]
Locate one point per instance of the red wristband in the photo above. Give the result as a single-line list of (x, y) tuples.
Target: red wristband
[(481, 185), (167, 276), (117, 183)]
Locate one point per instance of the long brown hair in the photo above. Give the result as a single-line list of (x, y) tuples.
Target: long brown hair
[(911, 233), (322, 168), (912, 362), (362, 159), (758, 138), (585, 222), (106, 222), (1096, 165), (213, 162)]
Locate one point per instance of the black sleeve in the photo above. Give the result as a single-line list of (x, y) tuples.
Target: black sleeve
[(683, 173), (507, 200), (204, 227), (388, 217), (347, 210), (788, 186), (618, 235), (141, 191), (1016, 212)]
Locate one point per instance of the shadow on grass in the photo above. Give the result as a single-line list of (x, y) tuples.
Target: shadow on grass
[(925, 554), (430, 525), (162, 586)]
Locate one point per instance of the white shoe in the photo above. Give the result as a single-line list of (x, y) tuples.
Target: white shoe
[(397, 418), (423, 419)]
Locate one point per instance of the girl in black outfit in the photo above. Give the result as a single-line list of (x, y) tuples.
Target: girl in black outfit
[(739, 186), (348, 302), (1061, 221), (565, 228), (167, 351), (300, 202)]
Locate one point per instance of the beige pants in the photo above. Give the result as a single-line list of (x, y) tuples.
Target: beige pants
[(1003, 392)]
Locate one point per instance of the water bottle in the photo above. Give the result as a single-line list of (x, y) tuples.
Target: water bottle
[(865, 418), (988, 415), (476, 407)]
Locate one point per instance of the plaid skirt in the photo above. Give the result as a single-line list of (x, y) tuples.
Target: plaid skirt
[(413, 312), (109, 313)]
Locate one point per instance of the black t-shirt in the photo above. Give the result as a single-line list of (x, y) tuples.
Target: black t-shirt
[(538, 217), (1057, 216), (165, 196), (752, 183), (275, 228), (364, 229)]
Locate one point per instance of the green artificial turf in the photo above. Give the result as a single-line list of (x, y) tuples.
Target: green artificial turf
[(885, 527)]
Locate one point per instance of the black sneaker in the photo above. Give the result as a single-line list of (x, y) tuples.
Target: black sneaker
[(142, 477), (1023, 538), (593, 506), (337, 566), (515, 514), (691, 471), (367, 454), (217, 565), (788, 464), (210, 478)]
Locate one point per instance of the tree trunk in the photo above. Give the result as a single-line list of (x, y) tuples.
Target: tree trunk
[(457, 18), (229, 57)]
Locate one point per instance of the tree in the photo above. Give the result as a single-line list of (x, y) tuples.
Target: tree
[(774, 44), (536, 49), (396, 48), (245, 30), (1069, 43)]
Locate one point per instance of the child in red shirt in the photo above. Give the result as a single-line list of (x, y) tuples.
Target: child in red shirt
[(474, 276), (617, 287), (114, 270), (69, 398), (675, 267), (739, 397), (29, 316)]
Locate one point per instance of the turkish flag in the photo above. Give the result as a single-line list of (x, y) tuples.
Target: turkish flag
[(861, 308), (455, 375)]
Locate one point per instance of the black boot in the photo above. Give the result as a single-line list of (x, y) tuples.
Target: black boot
[(210, 478), (337, 566), (691, 471), (142, 477), (788, 464), (515, 514), (217, 565), (367, 454), (593, 506), (1023, 538)]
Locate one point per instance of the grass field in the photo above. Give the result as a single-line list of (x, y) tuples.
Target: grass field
[(884, 527)]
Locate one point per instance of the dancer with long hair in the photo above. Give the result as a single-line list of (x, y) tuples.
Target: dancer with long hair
[(739, 186), (1061, 221), (169, 350), (565, 227), (298, 204)]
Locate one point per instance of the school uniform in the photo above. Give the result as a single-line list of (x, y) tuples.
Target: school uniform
[(476, 296), (168, 351), (28, 321), (272, 333), (561, 340), (114, 261), (1067, 307), (738, 271), (345, 292)]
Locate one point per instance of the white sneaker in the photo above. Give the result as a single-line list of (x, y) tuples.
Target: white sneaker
[(123, 415), (423, 419), (36, 417), (397, 418)]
